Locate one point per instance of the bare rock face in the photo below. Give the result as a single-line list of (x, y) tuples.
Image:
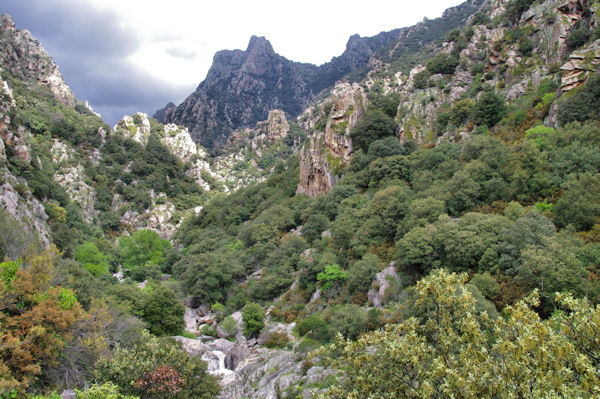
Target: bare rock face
[(274, 128), (178, 140), (241, 87), (581, 63), (136, 127), (25, 58), (382, 282), (326, 153)]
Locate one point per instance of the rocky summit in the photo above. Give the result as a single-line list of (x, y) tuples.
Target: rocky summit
[(242, 86)]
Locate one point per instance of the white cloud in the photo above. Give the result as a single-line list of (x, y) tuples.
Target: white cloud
[(306, 31)]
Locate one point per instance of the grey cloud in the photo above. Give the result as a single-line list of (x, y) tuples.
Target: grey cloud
[(181, 53), (91, 46)]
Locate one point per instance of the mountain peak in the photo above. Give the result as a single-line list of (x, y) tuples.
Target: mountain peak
[(6, 22), (259, 45)]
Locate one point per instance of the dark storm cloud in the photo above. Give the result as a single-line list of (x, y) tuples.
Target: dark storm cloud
[(91, 46)]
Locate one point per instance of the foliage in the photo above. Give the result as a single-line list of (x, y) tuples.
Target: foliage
[(163, 312), (489, 109), (316, 327), (583, 104), (142, 249), (442, 63), (314, 226), (157, 368), (107, 390), (277, 340), (331, 276), (454, 350), (253, 316), (229, 326), (91, 259), (373, 125)]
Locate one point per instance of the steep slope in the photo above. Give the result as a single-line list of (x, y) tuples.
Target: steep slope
[(67, 176), (242, 86), (505, 61)]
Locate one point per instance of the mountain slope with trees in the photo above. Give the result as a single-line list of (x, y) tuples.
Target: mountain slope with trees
[(428, 227)]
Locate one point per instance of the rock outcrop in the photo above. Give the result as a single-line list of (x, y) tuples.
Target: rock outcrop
[(581, 63), (326, 153), (383, 280), (25, 58), (241, 87)]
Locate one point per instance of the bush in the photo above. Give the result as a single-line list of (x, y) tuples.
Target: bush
[(421, 79), (142, 368), (277, 340), (229, 326), (314, 226), (253, 315), (374, 125), (578, 36), (163, 312), (489, 109), (526, 47), (142, 249), (442, 63), (583, 104), (316, 327), (91, 259)]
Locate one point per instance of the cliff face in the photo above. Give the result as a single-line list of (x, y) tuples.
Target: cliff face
[(515, 60), (25, 58), (327, 152), (241, 87)]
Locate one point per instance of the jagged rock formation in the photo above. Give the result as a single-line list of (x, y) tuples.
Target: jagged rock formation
[(326, 153), (165, 113), (241, 87), (25, 58), (578, 68), (250, 153), (382, 282)]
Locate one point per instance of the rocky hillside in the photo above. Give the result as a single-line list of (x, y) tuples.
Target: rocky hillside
[(521, 55), (241, 87), (59, 157)]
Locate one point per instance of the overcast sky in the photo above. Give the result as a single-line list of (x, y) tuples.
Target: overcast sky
[(125, 56)]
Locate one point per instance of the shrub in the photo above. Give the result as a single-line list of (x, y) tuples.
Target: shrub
[(277, 340), (489, 109), (163, 312), (442, 63), (253, 315), (374, 125), (583, 104), (316, 327), (421, 79), (229, 326)]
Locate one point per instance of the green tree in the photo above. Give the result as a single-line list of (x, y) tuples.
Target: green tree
[(442, 63), (91, 259), (489, 109), (362, 273), (253, 316), (331, 277), (163, 312), (142, 249), (579, 205), (349, 320), (454, 350), (137, 370), (373, 125), (316, 327), (314, 226)]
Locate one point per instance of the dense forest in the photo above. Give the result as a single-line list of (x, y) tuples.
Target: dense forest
[(462, 261)]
